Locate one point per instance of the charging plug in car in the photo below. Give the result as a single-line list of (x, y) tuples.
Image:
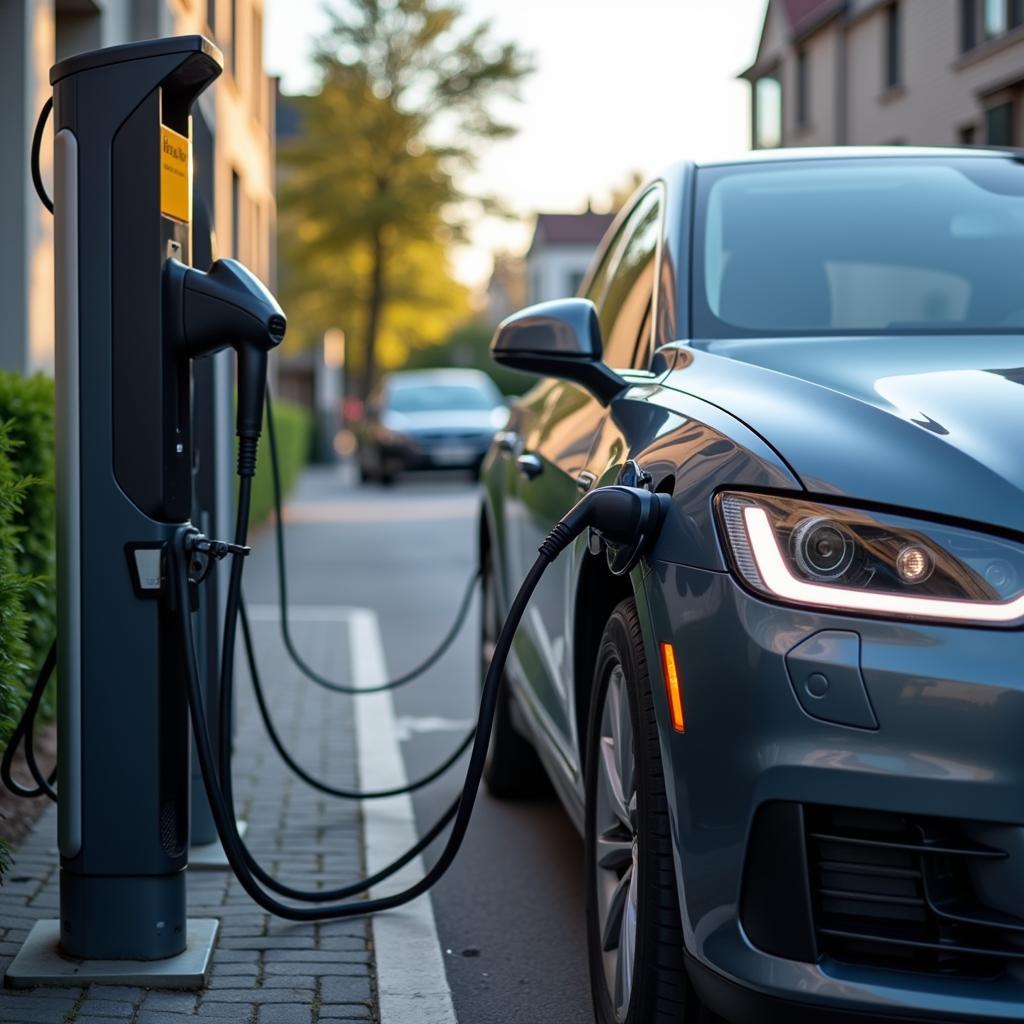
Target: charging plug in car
[(625, 518), (227, 307)]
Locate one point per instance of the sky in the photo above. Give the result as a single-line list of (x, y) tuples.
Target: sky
[(620, 86)]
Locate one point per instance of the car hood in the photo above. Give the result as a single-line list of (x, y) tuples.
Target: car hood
[(928, 423)]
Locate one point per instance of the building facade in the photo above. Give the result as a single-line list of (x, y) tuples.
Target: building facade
[(560, 253), (232, 140), (889, 72)]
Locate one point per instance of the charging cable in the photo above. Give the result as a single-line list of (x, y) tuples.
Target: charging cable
[(317, 784), (622, 515), (282, 588), (24, 733)]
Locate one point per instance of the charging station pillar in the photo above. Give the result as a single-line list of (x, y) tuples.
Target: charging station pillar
[(122, 203)]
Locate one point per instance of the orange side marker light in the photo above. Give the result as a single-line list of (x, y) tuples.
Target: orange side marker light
[(672, 687)]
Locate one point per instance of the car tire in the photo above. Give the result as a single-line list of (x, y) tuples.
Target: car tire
[(512, 770), (634, 931)]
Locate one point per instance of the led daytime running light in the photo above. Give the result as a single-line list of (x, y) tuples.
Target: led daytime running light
[(780, 581)]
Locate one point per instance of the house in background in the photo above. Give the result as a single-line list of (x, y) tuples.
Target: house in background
[(883, 72), (560, 253), (506, 288), (232, 141)]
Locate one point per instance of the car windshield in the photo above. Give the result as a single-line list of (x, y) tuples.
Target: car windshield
[(412, 398), (860, 245)]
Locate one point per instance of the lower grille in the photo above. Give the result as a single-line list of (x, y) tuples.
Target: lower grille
[(896, 890)]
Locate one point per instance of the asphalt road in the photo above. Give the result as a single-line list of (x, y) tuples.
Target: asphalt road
[(510, 912)]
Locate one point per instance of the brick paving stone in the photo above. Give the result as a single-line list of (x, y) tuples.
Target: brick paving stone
[(26, 1015), (225, 1013), (265, 970), (285, 1015), (110, 1007), (346, 990), (294, 994), (351, 1012), (177, 1002), (288, 981)]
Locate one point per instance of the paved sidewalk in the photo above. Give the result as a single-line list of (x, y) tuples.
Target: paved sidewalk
[(265, 971)]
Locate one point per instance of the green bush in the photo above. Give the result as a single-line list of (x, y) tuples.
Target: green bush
[(15, 589), (27, 544), (294, 432), (27, 407)]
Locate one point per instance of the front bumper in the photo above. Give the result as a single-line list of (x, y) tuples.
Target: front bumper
[(949, 706), (415, 453)]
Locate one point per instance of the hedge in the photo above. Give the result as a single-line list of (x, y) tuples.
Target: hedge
[(28, 614), (28, 618), (294, 432), (27, 544)]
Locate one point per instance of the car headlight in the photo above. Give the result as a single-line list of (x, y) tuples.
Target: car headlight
[(846, 559)]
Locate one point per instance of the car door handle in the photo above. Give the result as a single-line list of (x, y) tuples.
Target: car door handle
[(585, 480), (507, 440), (530, 465)]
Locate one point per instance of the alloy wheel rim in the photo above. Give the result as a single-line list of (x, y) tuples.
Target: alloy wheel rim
[(616, 843)]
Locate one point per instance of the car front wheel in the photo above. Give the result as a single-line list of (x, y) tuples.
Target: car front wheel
[(634, 934)]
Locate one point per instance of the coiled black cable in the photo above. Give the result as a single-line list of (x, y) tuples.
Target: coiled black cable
[(221, 797), (344, 794), (37, 144), (24, 734), (282, 589)]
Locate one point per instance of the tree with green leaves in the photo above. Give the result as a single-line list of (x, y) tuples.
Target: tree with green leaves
[(373, 195)]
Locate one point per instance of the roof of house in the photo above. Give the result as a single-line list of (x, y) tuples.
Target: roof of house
[(803, 17), (803, 14), (554, 229)]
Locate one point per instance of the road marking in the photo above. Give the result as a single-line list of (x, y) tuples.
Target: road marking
[(407, 726), (412, 987), (360, 512)]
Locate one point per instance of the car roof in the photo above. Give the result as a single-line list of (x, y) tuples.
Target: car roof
[(862, 153), (430, 378)]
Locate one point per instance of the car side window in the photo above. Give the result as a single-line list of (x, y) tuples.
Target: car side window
[(625, 309)]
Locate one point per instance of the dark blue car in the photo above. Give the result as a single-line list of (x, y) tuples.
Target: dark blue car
[(793, 736)]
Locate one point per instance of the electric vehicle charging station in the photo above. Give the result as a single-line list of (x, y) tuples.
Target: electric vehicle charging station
[(124, 483)]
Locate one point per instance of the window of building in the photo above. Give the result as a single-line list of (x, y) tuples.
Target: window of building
[(968, 25), (981, 20), (995, 18), (626, 308), (767, 112), (803, 94), (893, 48), (575, 279), (999, 125), (968, 134)]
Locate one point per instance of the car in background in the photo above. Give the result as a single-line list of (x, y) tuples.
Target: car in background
[(792, 734), (429, 419)]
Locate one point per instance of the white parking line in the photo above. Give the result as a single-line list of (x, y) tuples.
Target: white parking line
[(412, 987)]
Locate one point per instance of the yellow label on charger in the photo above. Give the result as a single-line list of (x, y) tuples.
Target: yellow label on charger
[(175, 175)]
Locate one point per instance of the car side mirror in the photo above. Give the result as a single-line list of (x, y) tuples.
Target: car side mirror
[(558, 339)]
